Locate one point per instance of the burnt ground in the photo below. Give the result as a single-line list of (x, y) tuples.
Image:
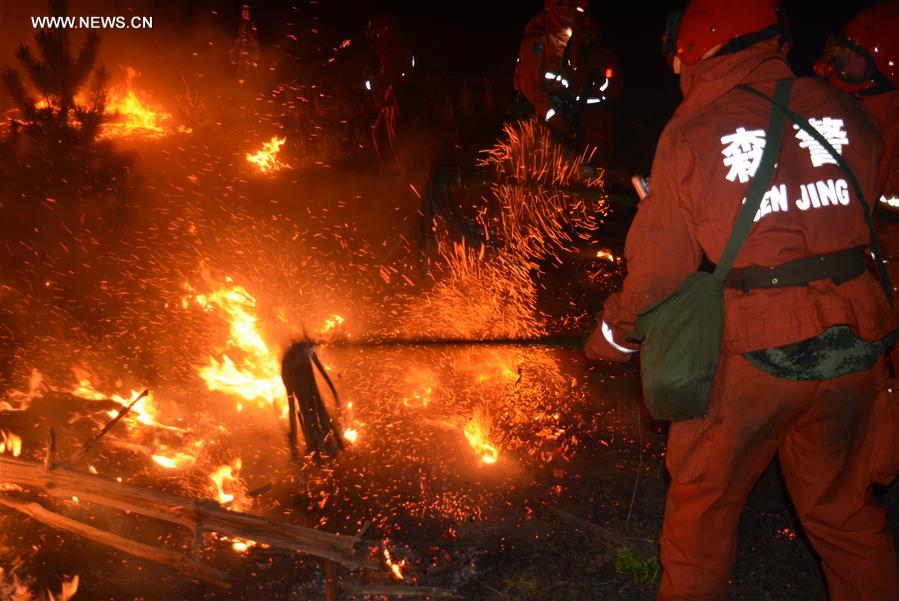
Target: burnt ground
[(561, 535)]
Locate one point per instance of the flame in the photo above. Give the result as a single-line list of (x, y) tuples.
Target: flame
[(128, 112), (230, 492), (10, 443), (228, 488), (144, 411), (18, 400), (395, 568), (257, 377), (178, 461), (351, 435), (67, 592), (476, 431), (131, 116), (606, 255), (267, 158)]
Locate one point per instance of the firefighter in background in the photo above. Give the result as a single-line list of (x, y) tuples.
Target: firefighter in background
[(864, 60), (596, 83), (391, 67), (569, 78), (244, 53), (783, 385)]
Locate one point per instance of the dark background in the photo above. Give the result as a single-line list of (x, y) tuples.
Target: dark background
[(460, 39), (469, 38)]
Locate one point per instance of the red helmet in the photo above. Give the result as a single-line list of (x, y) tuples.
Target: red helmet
[(864, 58), (705, 24)]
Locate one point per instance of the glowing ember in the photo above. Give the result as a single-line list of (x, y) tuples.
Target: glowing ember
[(606, 255), (331, 323), (10, 443), (350, 435), (267, 158), (395, 568), (476, 431), (257, 374), (240, 545)]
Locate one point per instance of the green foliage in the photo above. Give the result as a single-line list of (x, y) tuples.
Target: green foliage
[(525, 585), (641, 570)]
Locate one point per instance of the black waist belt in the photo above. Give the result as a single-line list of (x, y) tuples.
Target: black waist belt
[(840, 266)]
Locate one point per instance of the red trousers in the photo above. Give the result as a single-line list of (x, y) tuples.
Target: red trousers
[(819, 431)]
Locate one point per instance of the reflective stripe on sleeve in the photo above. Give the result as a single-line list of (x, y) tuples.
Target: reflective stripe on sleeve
[(607, 334)]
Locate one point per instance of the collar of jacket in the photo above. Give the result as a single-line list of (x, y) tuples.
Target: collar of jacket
[(711, 78)]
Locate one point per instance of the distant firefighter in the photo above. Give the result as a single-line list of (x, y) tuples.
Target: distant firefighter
[(392, 63), (566, 74), (244, 53)]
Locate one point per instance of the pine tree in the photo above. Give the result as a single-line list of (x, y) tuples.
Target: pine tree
[(57, 75), (62, 111)]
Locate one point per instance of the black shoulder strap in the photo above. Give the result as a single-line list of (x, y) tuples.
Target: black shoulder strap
[(807, 127), (760, 182)]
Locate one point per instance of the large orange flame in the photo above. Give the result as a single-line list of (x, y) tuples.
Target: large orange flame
[(256, 375)]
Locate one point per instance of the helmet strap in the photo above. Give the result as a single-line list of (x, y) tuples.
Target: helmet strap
[(745, 41)]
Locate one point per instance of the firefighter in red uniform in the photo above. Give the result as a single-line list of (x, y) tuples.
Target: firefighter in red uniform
[(569, 78), (775, 392), (395, 62), (864, 60)]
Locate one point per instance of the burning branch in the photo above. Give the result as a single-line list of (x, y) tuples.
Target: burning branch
[(86, 447)]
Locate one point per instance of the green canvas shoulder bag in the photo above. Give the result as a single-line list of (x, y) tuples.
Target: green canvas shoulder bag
[(680, 335)]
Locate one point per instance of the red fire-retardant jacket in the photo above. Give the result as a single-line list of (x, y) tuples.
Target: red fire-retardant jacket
[(700, 174), (541, 52)]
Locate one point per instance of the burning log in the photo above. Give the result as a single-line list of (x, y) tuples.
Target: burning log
[(306, 404), (198, 516)]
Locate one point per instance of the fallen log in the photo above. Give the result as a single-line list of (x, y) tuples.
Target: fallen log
[(132, 547), (197, 515)]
